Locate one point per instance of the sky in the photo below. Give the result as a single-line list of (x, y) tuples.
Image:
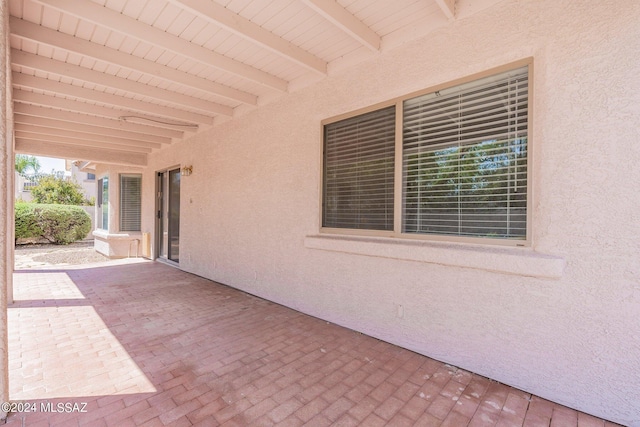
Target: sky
[(48, 163)]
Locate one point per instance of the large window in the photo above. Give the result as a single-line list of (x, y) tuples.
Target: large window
[(130, 202), (462, 170)]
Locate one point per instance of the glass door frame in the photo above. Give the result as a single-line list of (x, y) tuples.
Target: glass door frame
[(168, 215)]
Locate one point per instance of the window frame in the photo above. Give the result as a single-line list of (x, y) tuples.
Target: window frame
[(101, 202), (379, 147), (397, 232), (121, 202)]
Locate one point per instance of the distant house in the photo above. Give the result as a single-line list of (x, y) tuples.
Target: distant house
[(23, 186), (82, 173)]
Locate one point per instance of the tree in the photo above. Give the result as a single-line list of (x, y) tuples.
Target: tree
[(475, 188), (25, 163), (59, 191)]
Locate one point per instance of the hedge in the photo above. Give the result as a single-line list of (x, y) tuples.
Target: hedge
[(59, 224)]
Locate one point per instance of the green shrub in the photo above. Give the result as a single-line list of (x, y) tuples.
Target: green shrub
[(51, 189), (60, 224), (26, 222)]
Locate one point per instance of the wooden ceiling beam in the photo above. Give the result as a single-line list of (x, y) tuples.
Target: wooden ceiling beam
[(72, 117), (33, 98), (121, 143), (448, 7), (54, 124), (108, 18), (343, 19), (29, 31), (53, 139), (20, 80), (69, 151), (63, 69), (223, 17)]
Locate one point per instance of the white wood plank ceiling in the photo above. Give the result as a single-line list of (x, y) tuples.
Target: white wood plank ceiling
[(112, 80)]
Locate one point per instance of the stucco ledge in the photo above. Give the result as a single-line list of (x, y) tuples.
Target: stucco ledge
[(517, 261), (117, 245), (102, 234)]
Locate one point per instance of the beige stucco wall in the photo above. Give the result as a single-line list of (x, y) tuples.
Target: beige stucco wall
[(560, 319)]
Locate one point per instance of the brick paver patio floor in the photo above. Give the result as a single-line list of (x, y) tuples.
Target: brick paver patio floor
[(132, 343)]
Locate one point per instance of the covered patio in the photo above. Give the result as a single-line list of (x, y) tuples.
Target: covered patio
[(132, 343), (455, 177)]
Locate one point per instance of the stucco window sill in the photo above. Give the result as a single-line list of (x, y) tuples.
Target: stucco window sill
[(517, 261), (105, 235)]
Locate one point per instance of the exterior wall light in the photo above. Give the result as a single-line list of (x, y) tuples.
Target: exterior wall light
[(186, 170)]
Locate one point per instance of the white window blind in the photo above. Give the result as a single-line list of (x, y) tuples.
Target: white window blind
[(358, 171), (465, 159), (130, 202)]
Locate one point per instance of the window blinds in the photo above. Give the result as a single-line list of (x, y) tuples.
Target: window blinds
[(130, 202), (465, 159), (358, 171)]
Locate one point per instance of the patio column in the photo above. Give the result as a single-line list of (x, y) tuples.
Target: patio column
[(6, 200)]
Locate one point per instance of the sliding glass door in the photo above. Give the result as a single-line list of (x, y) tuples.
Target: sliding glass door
[(168, 215)]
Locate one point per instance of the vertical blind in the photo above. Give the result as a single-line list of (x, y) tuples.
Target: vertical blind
[(465, 159), (130, 202), (358, 171)]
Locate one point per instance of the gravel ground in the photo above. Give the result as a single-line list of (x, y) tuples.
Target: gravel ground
[(39, 255)]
